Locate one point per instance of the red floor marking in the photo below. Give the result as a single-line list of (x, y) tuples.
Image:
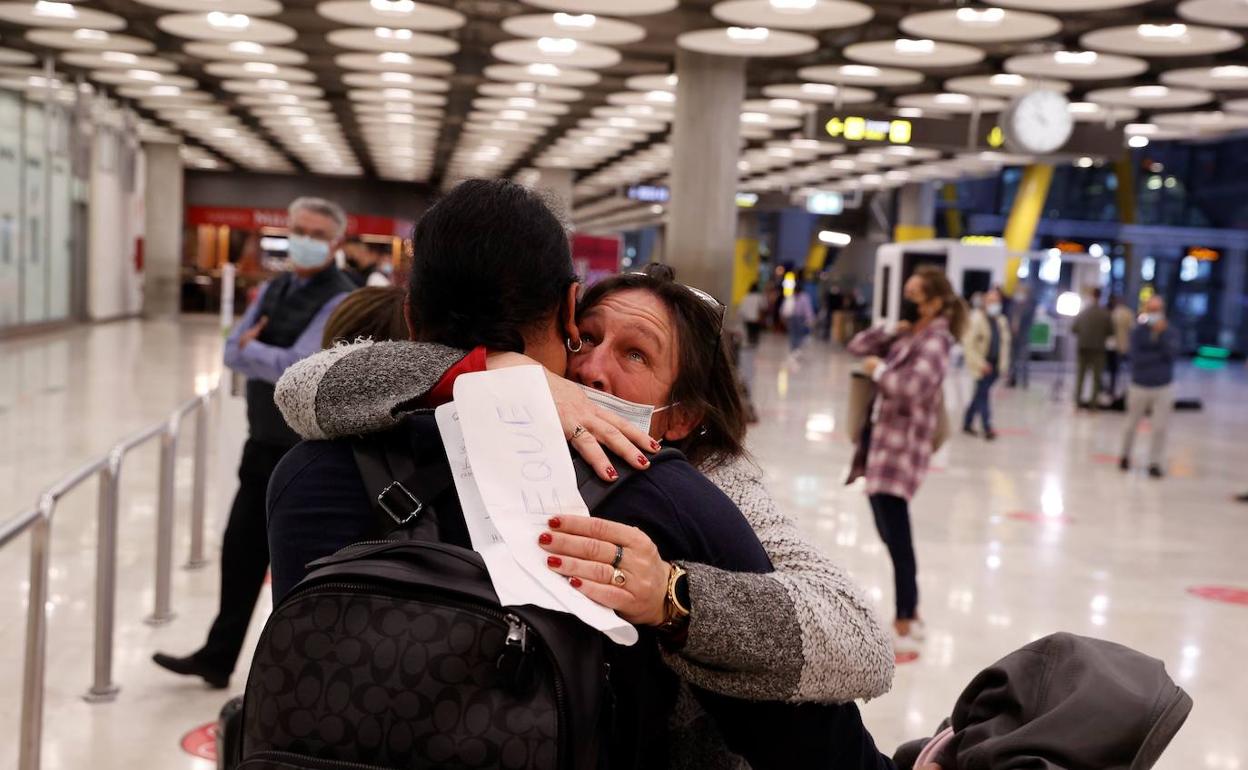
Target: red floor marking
[(1038, 518), (1225, 594), (201, 742), (1105, 459), (1014, 432), (909, 656)]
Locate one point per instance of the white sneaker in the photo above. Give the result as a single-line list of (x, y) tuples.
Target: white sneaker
[(918, 630), (907, 646)]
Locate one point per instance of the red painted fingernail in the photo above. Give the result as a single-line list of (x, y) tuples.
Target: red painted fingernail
[(574, 582), (544, 538), (642, 459), (554, 561), (656, 446), (554, 522), (612, 473)]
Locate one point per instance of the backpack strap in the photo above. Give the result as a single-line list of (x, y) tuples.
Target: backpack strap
[(594, 491), (400, 491)]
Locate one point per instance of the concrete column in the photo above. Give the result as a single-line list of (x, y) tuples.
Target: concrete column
[(162, 237), (556, 183), (916, 212), (702, 229)]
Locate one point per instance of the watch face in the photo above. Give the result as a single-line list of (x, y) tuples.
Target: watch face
[(1039, 122)]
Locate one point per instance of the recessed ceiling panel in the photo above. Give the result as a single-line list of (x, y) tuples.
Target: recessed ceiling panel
[(823, 93), (1076, 65), (1225, 77), (542, 73), (59, 15), (562, 52), (226, 27), (382, 39), (951, 102), (403, 14), (395, 80), (584, 27), (861, 75), (259, 70), (1150, 97), (606, 7), (1004, 85), (243, 50), (1162, 39)]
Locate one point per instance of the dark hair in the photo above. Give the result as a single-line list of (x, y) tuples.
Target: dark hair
[(375, 312), (1096, 294), (352, 239), (490, 262), (705, 383), (936, 286)]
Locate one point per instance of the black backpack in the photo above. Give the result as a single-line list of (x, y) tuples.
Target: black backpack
[(395, 654)]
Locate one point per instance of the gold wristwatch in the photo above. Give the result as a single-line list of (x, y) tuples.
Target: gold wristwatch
[(676, 608)]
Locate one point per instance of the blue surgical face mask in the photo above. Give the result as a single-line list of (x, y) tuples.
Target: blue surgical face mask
[(993, 308), (307, 253), (1152, 318)]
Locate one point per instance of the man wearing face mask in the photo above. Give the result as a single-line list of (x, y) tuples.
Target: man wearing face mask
[(283, 325), (987, 347), (1154, 349)]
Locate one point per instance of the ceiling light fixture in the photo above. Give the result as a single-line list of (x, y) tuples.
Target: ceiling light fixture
[(268, 84), (909, 112), (1137, 142), (165, 91), (260, 67), (748, 34), (786, 104), (119, 57), (397, 7), (245, 46), (578, 20), (395, 77), (387, 33), (396, 93), (914, 47), (791, 6), (542, 69), (522, 102), (394, 57), (1008, 81), (952, 99), (228, 20), (55, 10), (559, 46), (1084, 58), (756, 118), (1149, 92), (1083, 108), (90, 34), (1162, 31), (823, 89), (860, 71), (1230, 71), (513, 115), (146, 75), (984, 16)]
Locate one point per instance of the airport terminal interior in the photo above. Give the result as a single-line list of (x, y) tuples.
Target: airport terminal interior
[(190, 190)]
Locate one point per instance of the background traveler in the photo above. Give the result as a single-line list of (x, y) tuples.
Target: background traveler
[(908, 366), (1118, 345), (1022, 318), (987, 348), (750, 311), (1155, 348), (284, 324), (1092, 328), (365, 266)]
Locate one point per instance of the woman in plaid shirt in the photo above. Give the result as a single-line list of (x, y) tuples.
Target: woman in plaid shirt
[(908, 365)]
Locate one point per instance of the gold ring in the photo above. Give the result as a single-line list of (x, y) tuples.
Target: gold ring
[(617, 577)]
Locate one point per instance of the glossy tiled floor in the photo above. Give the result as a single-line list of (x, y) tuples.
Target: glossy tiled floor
[(1035, 533)]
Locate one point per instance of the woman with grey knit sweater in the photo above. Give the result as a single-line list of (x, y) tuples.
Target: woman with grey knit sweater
[(803, 633)]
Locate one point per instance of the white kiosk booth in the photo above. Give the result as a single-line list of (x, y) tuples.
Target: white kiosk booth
[(970, 267)]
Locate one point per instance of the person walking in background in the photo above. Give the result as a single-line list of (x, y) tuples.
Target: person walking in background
[(1022, 318), (1154, 349), (751, 311), (1119, 344), (987, 349), (1092, 328), (908, 366), (284, 324), (364, 266), (798, 313)]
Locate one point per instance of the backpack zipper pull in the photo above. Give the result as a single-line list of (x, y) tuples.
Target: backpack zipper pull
[(517, 633), (513, 664)]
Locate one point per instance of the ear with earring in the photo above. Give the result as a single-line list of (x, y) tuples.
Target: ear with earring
[(579, 344)]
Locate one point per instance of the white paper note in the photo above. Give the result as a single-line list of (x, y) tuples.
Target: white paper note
[(523, 471)]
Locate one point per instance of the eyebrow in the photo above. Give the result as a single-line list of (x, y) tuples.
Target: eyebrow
[(654, 338)]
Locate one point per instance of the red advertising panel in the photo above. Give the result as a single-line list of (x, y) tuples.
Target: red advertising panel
[(595, 258), (255, 219)]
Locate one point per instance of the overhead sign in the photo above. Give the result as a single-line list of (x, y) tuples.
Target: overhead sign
[(648, 193), (952, 134)]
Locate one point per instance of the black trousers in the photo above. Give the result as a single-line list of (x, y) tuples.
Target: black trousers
[(892, 520), (244, 557)]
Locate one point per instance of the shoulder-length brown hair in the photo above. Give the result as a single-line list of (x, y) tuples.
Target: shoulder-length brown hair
[(936, 284), (706, 382), (375, 312)]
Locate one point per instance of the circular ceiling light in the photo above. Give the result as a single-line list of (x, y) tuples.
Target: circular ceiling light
[(1238, 106), (1061, 7), (1076, 65), (399, 95), (384, 39), (126, 77), (769, 121), (270, 86), (980, 25), (751, 42), (526, 103), (1165, 39), (652, 83), (793, 14), (560, 51), (14, 56), (84, 39), (951, 103), (922, 53), (257, 70), (1150, 97), (778, 106), (1204, 122), (530, 90), (165, 96), (395, 80), (1217, 13), (542, 73), (49, 13), (822, 93), (606, 7), (250, 7), (394, 61), (225, 27), (861, 75), (104, 60), (1089, 112), (1226, 77), (1003, 85), (585, 27), (405, 14), (245, 50)]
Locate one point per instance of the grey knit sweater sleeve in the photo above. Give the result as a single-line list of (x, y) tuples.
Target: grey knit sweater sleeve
[(802, 633), (360, 387)]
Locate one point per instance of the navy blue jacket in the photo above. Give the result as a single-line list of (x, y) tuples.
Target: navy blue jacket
[(1153, 356)]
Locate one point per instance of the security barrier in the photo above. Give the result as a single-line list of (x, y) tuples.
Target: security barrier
[(39, 523)]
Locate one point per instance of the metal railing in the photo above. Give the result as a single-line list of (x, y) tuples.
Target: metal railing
[(39, 523)]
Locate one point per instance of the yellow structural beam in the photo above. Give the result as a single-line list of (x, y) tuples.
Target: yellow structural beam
[(903, 233), (953, 217), (1020, 228)]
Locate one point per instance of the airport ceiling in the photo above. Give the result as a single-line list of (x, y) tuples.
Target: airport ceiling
[(435, 90)]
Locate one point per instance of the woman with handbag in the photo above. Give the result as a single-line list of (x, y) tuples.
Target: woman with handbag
[(907, 366)]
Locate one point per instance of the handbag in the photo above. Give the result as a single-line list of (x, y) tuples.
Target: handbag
[(862, 390)]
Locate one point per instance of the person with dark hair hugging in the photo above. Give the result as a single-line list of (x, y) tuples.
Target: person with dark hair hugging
[(492, 272)]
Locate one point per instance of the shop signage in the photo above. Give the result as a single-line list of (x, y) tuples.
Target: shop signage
[(648, 193), (259, 219), (1202, 254), (952, 134)]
